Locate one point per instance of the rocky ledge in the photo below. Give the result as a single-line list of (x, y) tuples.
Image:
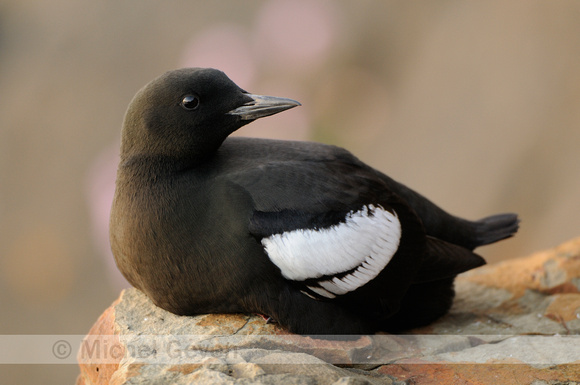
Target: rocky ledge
[(516, 322)]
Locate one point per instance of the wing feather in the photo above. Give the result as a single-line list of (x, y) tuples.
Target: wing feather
[(344, 256)]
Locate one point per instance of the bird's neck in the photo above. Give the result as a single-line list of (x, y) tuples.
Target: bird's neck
[(148, 166), (153, 165)]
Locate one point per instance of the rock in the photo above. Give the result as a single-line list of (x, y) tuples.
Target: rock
[(539, 294), (523, 311)]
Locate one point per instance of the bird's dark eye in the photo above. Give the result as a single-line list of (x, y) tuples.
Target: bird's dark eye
[(190, 102)]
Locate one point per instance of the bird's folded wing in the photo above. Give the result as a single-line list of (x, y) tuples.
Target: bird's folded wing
[(324, 229), (342, 257), (446, 260)]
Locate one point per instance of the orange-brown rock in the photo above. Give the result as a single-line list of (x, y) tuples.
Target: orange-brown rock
[(513, 322)]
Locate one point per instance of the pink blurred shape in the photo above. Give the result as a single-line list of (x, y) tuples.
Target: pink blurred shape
[(225, 47), (296, 34), (100, 186)]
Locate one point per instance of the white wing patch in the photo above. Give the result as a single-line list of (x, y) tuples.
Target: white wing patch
[(365, 243)]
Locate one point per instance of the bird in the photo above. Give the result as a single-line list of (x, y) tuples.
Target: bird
[(303, 233)]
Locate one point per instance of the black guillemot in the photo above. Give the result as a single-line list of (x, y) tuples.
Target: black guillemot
[(300, 231)]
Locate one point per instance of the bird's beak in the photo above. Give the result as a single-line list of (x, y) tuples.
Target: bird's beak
[(261, 106)]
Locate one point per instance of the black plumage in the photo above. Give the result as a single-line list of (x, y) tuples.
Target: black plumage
[(205, 223)]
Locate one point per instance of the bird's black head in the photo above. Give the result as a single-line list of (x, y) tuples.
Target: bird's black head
[(186, 114)]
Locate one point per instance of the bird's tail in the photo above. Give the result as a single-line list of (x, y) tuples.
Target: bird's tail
[(494, 228)]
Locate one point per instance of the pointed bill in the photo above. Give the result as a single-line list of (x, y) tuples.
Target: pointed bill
[(261, 106)]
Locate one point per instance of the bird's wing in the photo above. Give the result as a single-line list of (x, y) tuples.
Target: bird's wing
[(445, 260), (341, 258), (330, 226)]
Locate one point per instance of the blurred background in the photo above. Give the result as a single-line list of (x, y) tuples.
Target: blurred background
[(474, 104)]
